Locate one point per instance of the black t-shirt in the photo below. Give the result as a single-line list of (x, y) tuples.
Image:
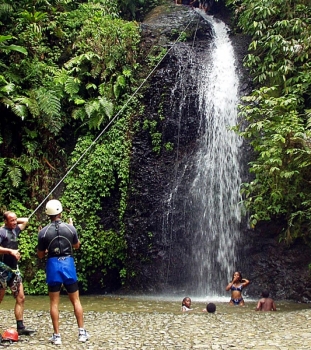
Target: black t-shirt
[(9, 239)]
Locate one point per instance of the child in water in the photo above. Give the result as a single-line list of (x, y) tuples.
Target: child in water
[(265, 303), (210, 308), (186, 304), (236, 286)]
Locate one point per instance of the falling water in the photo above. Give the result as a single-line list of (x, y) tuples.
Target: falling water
[(215, 190), (211, 219)]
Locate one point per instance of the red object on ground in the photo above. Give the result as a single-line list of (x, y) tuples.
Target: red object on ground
[(10, 334)]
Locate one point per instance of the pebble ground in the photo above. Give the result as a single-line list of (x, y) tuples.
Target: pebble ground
[(140, 330)]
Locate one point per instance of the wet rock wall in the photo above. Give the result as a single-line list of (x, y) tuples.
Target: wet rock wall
[(171, 100)]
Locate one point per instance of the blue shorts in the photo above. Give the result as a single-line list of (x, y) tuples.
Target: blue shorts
[(61, 270)]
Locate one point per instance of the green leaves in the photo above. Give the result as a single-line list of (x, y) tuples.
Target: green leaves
[(8, 48), (72, 86), (72, 66), (15, 175), (278, 113), (104, 170), (97, 110), (33, 17), (100, 71), (48, 102)]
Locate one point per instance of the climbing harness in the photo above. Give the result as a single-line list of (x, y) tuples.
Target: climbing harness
[(10, 278)]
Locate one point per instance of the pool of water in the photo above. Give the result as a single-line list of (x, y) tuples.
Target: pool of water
[(147, 304)]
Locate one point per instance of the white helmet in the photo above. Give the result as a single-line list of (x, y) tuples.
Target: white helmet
[(53, 207)]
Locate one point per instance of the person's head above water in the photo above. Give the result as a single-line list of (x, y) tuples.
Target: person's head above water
[(265, 294), (237, 274), (211, 307), (186, 302)]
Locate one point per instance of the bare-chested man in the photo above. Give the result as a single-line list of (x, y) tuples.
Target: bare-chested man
[(265, 303)]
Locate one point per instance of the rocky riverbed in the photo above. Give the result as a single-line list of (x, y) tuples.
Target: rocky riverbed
[(154, 330)]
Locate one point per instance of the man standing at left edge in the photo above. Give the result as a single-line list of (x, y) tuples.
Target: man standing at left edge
[(9, 273)]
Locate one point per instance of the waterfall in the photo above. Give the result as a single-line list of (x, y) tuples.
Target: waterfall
[(215, 189), (211, 219)]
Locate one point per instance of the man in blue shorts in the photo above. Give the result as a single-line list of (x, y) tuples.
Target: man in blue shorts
[(58, 240), (9, 273)]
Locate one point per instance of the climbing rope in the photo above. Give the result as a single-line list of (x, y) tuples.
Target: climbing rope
[(112, 120)]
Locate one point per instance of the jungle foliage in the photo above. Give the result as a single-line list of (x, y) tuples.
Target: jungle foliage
[(67, 68), (278, 112)]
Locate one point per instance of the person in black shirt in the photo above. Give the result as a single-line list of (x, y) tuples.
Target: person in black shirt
[(58, 240), (9, 273)]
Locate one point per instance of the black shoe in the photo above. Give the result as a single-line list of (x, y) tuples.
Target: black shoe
[(25, 331)]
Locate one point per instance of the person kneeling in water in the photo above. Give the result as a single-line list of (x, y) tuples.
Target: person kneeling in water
[(236, 286), (265, 303)]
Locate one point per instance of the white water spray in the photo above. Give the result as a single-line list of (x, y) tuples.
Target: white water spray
[(215, 190)]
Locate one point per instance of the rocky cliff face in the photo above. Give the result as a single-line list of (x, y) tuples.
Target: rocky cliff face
[(273, 265), (171, 114), (158, 255)]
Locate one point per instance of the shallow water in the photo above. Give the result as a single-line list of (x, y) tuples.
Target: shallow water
[(146, 304)]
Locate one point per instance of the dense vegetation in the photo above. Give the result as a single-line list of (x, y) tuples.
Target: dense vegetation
[(67, 69), (278, 112)]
